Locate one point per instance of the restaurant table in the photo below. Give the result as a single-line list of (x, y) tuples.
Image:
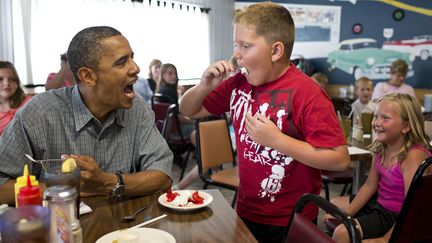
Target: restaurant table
[(361, 160), (217, 222)]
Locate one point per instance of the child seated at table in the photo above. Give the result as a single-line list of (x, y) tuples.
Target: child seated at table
[(399, 148), (363, 104)]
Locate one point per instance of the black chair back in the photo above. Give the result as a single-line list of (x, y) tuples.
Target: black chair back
[(415, 217), (301, 229)]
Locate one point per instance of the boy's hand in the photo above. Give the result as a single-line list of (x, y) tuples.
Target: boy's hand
[(261, 129), (216, 72)]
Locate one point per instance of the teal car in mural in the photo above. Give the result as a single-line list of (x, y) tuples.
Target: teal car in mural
[(361, 57)]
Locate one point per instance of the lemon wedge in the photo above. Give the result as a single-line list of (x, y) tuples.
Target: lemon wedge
[(69, 165)]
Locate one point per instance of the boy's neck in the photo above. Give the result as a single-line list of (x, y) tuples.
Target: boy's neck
[(363, 102), (280, 68)]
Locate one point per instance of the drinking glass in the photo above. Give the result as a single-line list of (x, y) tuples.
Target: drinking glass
[(346, 126), (25, 224), (53, 175), (367, 122)]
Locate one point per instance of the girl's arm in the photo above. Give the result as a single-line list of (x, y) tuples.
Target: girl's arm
[(410, 165), (366, 192)]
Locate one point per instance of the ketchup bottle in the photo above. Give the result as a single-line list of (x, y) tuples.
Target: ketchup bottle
[(29, 195)]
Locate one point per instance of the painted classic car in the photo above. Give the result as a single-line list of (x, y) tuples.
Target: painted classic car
[(362, 57), (420, 46)]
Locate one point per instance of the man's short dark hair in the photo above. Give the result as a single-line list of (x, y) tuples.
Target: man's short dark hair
[(85, 49)]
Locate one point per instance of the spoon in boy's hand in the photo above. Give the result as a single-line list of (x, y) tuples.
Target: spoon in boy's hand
[(243, 70)]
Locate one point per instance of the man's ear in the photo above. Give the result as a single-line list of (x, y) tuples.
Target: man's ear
[(87, 76), (278, 50)]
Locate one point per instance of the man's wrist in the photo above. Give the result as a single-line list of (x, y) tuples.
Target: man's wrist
[(119, 187)]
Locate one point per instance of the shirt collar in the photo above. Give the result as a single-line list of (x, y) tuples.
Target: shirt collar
[(82, 115)]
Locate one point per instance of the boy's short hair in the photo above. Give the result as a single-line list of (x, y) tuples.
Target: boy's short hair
[(272, 21), (320, 78), (399, 67), (363, 80)]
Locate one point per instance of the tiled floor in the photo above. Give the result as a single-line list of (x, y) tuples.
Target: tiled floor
[(229, 194)]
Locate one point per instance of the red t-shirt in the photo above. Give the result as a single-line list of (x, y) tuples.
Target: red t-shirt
[(271, 182)]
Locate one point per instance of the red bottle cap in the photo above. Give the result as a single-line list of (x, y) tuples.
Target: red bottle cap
[(29, 195)]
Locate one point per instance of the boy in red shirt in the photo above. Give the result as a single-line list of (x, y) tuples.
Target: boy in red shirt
[(286, 128)]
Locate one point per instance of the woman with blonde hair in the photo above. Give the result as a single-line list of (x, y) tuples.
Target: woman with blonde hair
[(154, 73)]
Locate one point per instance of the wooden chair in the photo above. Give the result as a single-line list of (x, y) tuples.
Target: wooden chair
[(215, 155), (177, 141), (301, 229)]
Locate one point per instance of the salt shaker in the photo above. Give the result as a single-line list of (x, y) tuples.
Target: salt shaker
[(61, 199)]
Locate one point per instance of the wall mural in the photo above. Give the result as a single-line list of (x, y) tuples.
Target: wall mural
[(362, 57), (338, 39)]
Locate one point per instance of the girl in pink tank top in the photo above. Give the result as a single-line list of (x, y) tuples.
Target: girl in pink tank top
[(400, 146)]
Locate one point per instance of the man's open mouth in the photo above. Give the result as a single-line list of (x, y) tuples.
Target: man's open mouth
[(128, 89)]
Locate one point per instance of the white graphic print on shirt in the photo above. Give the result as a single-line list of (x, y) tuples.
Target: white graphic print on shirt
[(242, 102)]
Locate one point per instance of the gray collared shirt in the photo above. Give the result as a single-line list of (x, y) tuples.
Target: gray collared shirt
[(58, 122)]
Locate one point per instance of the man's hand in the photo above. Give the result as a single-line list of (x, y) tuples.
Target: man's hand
[(93, 180)]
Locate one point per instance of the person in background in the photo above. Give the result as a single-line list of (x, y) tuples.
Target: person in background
[(284, 132), (12, 96), (168, 86), (154, 74), (142, 88), (98, 122), (363, 104), (321, 79), (63, 78), (396, 84), (399, 148)]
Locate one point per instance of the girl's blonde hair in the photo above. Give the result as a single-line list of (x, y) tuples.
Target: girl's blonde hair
[(153, 62), (19, 96), (410, 111), (164, 69)]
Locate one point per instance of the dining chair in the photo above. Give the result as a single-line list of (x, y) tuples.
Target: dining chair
[(160, 110), (342, 105), (301, 229), (337, 177), (415, 216), (178, 142), (215, 155)]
